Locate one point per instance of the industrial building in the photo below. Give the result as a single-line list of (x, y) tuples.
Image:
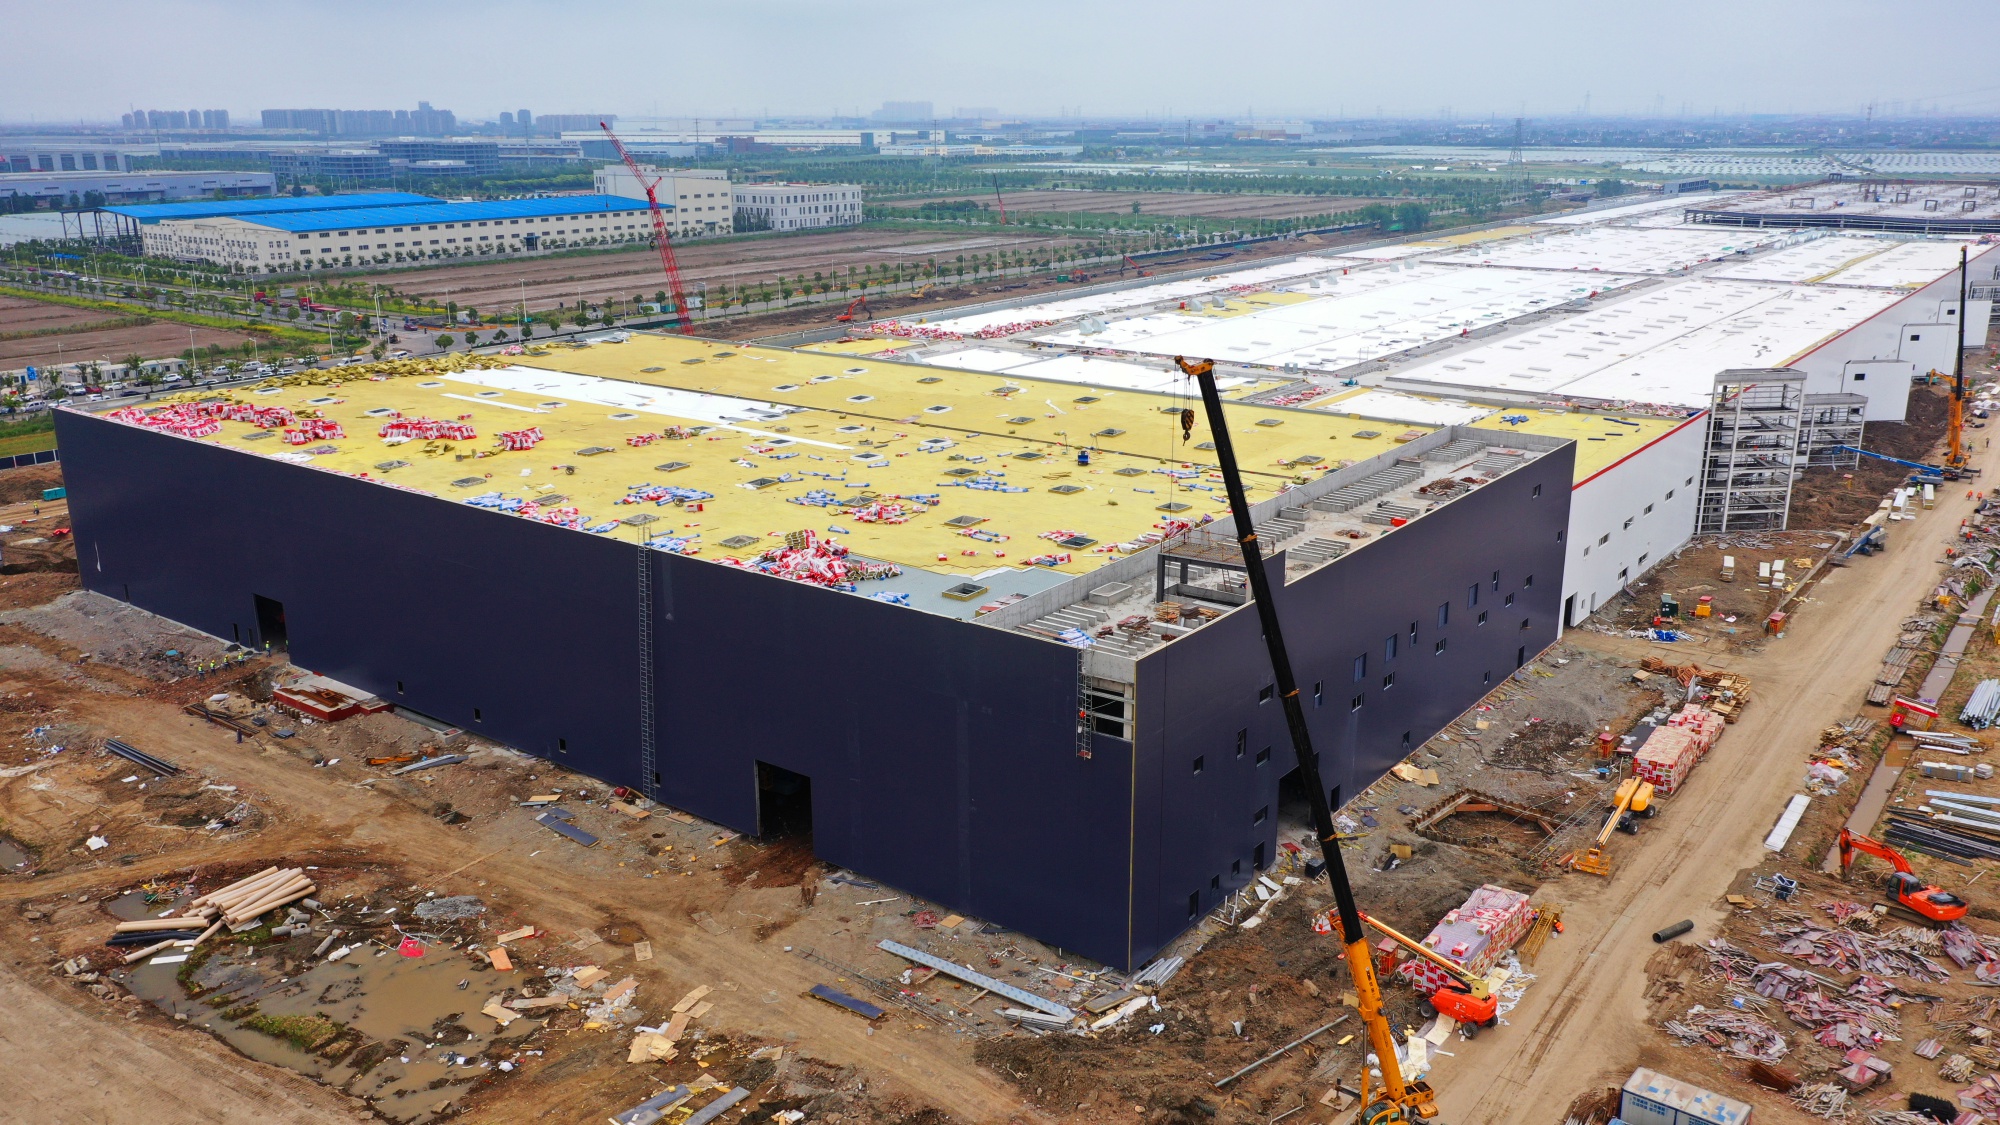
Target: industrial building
[(80, 189), (699, 197), (271, 240), (1629, 315), (64, 154), (422, 121), (1902, 206), (794, 206), (986, 641)]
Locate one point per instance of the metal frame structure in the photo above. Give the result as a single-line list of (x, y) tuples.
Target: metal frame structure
[(1832, 430), (1754, 427)]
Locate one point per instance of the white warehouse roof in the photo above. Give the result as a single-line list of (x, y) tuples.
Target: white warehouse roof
[(1851, 261), (1616, 249)]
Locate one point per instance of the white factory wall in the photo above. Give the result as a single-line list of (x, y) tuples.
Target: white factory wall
[(1879, 356), (1627, 518), (700, 199)]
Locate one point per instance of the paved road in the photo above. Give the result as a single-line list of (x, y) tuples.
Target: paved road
[(1583, 1024)]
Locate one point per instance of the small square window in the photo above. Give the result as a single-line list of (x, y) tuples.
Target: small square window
[(1603, 539), (1528, 583), (1485, 678), (1406, 740), (1355, 703), (1263, 815), (1215, 882), (476, 716), (1537, 493), (1236, 867), (1266, 693), (1628, 523), (1648, 511), (1509, 600), (1199, 761), (1438, 648), (1688, 482), (1482, 617), (1388, 681), (1670, 494), (1263, 755), (1524, 623), (1194, 905), (1586, 552)]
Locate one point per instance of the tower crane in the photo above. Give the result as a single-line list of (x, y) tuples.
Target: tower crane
[(660, 238), (1397, 1099), (1000, 201)]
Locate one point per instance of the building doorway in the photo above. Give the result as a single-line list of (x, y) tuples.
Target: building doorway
[(1569, 612), (271, 622), (784, 803)]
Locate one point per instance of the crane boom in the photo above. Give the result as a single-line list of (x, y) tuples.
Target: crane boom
[(1000, 201), (1955, 453), (660, 237), (1400, 1100)]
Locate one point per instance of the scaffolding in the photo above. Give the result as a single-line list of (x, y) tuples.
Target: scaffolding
[(1754, 430), (1832, 432)]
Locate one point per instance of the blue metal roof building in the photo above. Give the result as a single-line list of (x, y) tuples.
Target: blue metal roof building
[(278, 205), (441, 212)]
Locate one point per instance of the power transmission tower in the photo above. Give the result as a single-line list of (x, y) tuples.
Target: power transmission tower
[(1517, 164)]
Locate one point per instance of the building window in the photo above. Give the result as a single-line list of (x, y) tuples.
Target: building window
[(1266, 693), (562, 744), (1406, 740), (1318, 693), (1242, 742), (1670, 494), (1199, 761), (1215, 882), (1859, 376), (1528, 583), (1355, 703), (1235, 867), (1438, 648), (1444, 614), (1413, 632), (1388, 681), (1603, 539), (1586, 552), (1628, 523), (476, 716), (1110, 705), (1263, 755), (1361, 665), (1496, 581), (1389, 647), (1194, 905), (1648, 511), (1508, 601), (1472, 596), (1482, 617), (1524, 623), (1263, 815), (1485, 678)]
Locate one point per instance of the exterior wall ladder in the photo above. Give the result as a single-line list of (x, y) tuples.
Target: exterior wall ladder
[(648, 777)]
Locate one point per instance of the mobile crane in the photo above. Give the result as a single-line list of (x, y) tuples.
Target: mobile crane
[(1633, 795), (1396, 1099), (1956, 456), (1934, 905)]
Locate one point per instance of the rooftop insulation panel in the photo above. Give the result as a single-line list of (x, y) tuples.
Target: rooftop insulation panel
[(1365, 316), (1662, 347), (1850, 260), (1616, 249), (800, 440)]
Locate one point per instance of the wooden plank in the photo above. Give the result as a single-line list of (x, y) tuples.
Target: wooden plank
[(633, 811), (692, 998), (498, 956), (642, 951), (516, 935)]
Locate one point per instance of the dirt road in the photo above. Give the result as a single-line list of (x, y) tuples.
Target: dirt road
[(61, 1064), (1584, 1024)]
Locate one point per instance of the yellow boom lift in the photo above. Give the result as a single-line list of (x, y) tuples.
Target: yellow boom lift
[(1633, 796)]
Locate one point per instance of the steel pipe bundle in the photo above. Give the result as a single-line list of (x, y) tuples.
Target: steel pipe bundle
[(1984, 705), (158, 765), (241, 903)]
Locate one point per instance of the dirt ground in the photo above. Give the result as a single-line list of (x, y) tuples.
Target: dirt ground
[(1207, 204), (1838, 499), (110, 346), (736, 261), (17, 315)]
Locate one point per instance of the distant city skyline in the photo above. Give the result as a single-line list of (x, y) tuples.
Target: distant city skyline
[(1167, 60)]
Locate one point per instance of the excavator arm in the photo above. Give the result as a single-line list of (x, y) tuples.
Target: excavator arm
[(1933, 904)]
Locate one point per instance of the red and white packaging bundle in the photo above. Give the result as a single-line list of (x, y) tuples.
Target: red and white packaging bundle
[(1704, 724), (262, 417), (638, 440), (521, 439), (1666, 758), (182, 419), (1050, 560), (427, 429), (1489, 923), (316, 429)]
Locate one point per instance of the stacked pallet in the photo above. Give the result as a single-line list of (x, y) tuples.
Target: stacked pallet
[(1488, 924)]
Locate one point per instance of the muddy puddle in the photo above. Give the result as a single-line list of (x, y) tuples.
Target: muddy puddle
[(406, 1033), (14, 859), (141, 903)]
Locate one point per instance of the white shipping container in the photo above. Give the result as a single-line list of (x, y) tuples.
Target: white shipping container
[(1652, 1098)]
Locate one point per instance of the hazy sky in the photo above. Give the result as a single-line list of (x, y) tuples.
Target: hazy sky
[(1041, 57)]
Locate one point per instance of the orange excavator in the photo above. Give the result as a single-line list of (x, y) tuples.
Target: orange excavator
[(856, 308), (1933, 904)]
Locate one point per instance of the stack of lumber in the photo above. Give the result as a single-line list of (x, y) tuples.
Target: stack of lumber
[(241, 903)]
